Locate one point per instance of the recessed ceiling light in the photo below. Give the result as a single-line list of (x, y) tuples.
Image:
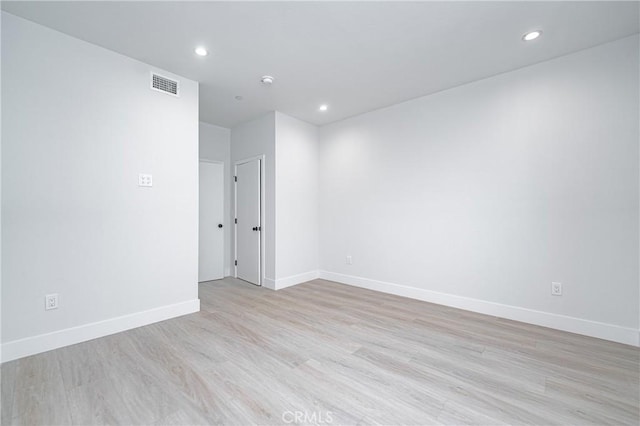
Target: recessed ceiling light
[(532, 35), (267, 80), (323, 107), (201, 51)]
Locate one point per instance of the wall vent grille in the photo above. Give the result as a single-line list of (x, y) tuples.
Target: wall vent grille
[(164, 84)]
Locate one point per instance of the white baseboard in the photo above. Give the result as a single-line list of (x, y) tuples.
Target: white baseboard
[(269, 283), (616, 333), (70, 336), (285, 282), (296, 279)]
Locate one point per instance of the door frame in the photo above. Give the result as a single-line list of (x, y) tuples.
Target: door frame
[(224, 213), (263, 227)]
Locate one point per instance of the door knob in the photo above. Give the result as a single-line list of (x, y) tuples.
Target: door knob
[(219, 225), (255, 228)]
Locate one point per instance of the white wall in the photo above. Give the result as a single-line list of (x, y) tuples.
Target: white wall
[(493, 190), (80, 123), (290, 147), (296, 200), (248, 140), (0, 209), (215, 145)]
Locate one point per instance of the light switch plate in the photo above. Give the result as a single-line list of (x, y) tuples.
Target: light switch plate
[(145, 180)]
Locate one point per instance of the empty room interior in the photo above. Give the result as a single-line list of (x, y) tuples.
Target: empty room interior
[(354, 213)]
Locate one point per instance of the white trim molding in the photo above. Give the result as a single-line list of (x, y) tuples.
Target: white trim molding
[(296, 279), (615, 333), (280, 283), (70, 336), (269, 283)]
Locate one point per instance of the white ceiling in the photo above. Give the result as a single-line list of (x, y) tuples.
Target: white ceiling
[(354, 56)]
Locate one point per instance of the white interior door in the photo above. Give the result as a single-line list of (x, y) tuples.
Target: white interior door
[(211, 234), (248, 227)]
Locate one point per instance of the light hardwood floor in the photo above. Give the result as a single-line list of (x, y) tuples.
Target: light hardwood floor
[(326, 352)]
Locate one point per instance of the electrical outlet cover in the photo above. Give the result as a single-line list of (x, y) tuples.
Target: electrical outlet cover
[(145, 180), (51, 302)]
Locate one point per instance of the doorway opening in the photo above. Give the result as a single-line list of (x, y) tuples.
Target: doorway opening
[(249, 220)]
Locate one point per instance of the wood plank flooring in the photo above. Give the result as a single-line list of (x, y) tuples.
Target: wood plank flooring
[(326, 353)]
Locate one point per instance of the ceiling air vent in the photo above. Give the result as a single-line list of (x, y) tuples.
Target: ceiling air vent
[(164, 84)]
